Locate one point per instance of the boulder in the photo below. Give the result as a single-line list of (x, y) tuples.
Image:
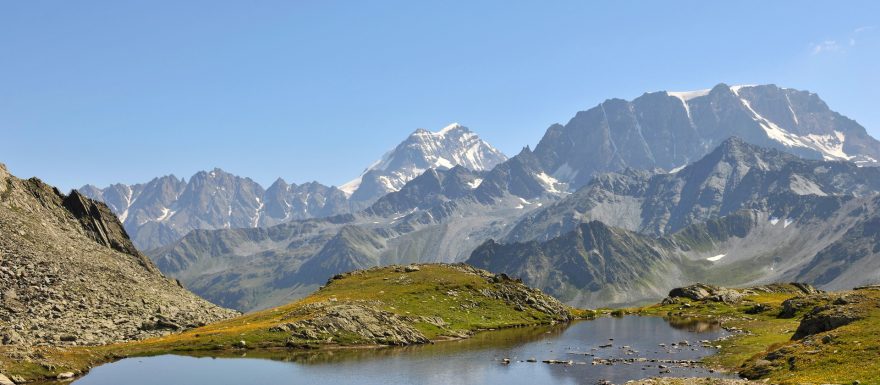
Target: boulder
[(825, 318), (704, 292)]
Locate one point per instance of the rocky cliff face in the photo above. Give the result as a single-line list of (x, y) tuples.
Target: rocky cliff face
[(734, 176), (70, 275), (671, 129)]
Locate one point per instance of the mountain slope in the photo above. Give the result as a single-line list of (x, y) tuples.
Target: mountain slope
[(454, 145), (734, 176), (670, 129), (440, 216), (70, 275), (741, 215)]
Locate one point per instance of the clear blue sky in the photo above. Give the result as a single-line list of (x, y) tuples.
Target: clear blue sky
[(122, 91)]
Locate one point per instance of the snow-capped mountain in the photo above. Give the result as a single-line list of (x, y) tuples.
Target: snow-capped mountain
[(444, 214), (454, 145), (670, 129), (163, 210)]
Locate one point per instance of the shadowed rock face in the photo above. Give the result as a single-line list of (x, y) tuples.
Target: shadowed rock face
[(70, 275)]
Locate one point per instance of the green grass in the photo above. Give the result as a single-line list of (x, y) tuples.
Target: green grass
[(854, 354), (434, 291)]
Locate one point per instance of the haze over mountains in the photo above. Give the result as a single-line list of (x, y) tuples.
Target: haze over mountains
[(626, 200), (164, 209)]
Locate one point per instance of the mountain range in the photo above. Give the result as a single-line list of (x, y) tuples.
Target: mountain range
[(741, 215), (617, 206), (166, 208)]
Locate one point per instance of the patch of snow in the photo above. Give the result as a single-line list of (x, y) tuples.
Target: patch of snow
[(519, 207), (128, 203), (736, 89), (443, 162), (787, 222), (685, 96), (548, 182), (716, 258), (677, 169), (166, 213), (258, 213), (475, 183), (830, 145), (688, 95), (790, 108), (774, 221), (451, 127)]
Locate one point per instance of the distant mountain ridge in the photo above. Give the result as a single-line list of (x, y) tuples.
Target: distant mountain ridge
[(671, 129), (165, 209)]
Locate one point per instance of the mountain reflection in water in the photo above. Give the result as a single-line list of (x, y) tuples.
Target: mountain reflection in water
[(477, 360)]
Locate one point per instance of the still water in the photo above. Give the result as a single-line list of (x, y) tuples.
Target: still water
[(477, 360)]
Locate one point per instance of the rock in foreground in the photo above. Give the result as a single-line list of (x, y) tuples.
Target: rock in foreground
[(69, 275)]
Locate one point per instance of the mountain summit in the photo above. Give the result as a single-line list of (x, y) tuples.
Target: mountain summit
[(454, 145), (671, 129)]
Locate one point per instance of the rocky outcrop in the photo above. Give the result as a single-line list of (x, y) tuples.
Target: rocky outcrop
[(843, 310), (357, 323), (690, 381), (818, 333), (704, 292), (69, 275)]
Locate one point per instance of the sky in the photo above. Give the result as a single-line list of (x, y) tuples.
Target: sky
[(102, 92)]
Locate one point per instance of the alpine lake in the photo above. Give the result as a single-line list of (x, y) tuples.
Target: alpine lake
[(613, 349)]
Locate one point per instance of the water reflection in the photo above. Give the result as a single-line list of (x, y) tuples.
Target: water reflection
[(694, 325), (626, 348)]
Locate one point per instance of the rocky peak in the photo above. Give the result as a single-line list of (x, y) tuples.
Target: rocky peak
[(670, 129), (422, 150), (101, 224)]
